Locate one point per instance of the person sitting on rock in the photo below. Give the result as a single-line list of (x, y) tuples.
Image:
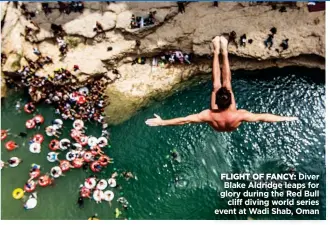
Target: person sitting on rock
[(98, 27), (269, 41), (242, 40), (181, 7), (285, 44), (36, 51)]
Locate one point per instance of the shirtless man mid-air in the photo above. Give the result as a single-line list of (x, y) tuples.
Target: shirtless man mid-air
[(223, 115)]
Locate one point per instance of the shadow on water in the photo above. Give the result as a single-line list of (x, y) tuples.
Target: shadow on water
[(167, 189)]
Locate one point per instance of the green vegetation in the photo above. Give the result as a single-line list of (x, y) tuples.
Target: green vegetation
[(73, 42)]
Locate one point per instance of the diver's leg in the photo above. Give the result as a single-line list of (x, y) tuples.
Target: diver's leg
[(226, 74), (216, 73)]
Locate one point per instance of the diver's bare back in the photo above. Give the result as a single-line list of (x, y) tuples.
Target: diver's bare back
[(225, 121)]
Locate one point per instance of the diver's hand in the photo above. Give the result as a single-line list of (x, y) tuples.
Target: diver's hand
[(157, 121), (291, 118)]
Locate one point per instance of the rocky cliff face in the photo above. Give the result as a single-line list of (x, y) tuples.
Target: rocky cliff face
[(189, 32)]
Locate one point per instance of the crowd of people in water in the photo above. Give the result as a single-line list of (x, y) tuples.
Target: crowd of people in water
[(80, 150)]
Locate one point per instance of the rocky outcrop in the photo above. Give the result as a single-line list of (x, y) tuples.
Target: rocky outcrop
[(190, 32)]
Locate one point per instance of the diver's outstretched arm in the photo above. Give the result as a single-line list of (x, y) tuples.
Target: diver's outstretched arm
[(264, 117), (194, 118)]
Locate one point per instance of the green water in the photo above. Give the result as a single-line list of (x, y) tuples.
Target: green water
[(204, 153)]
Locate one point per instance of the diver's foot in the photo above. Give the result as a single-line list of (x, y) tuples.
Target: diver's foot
[(216, 44), (223, 45)]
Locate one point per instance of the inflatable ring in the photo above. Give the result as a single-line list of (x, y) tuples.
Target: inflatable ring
[(84, 91), (52, 157), (83, 140), (26, 108), (33, 185), (70, 156), (38, 138), (94, 152), (35, 174), (39, 119), (62, 146), (59, 124), (77, 163), (10, 145), (104, 160), (81, 99), (57, 170), (44, 181), (98, 195), (3, 134), (90, 183), (78, 124), (30, 124), (30, 203), (108, 195), (74, 96), (88, 156), (54, 145), (65, 165), (102, 184), (18, 193), (112, 182), (35, 148), (52, 131), (16, 163), (93, 164), (92, 141), (85, 192), (75, 133), (104, 142)]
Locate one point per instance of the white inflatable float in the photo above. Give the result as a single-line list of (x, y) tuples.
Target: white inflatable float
[(35, 148)]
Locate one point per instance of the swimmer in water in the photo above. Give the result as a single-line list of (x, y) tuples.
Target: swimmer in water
[(223, 116), (22, 134), (14, 161), (80, 202)]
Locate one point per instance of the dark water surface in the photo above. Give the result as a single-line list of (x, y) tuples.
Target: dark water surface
[(188, 190)]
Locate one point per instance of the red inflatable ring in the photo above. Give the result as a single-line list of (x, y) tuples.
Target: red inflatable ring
[(26, 108), (35, 174), (11, 145), (83, 140), (54, 145), (44, 181), (65, 165), (3, 134), (77, 162), (85, 192), (30, 124), (88, 157), (38, 138), (33, 185), (92, 166), (39, 118), (81, 99), (75, 133), (104, 160), (94, 152)]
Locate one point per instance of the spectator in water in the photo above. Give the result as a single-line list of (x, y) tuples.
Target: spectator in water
[(80, 202)]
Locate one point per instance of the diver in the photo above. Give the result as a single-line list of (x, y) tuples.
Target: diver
[(223, 115)]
